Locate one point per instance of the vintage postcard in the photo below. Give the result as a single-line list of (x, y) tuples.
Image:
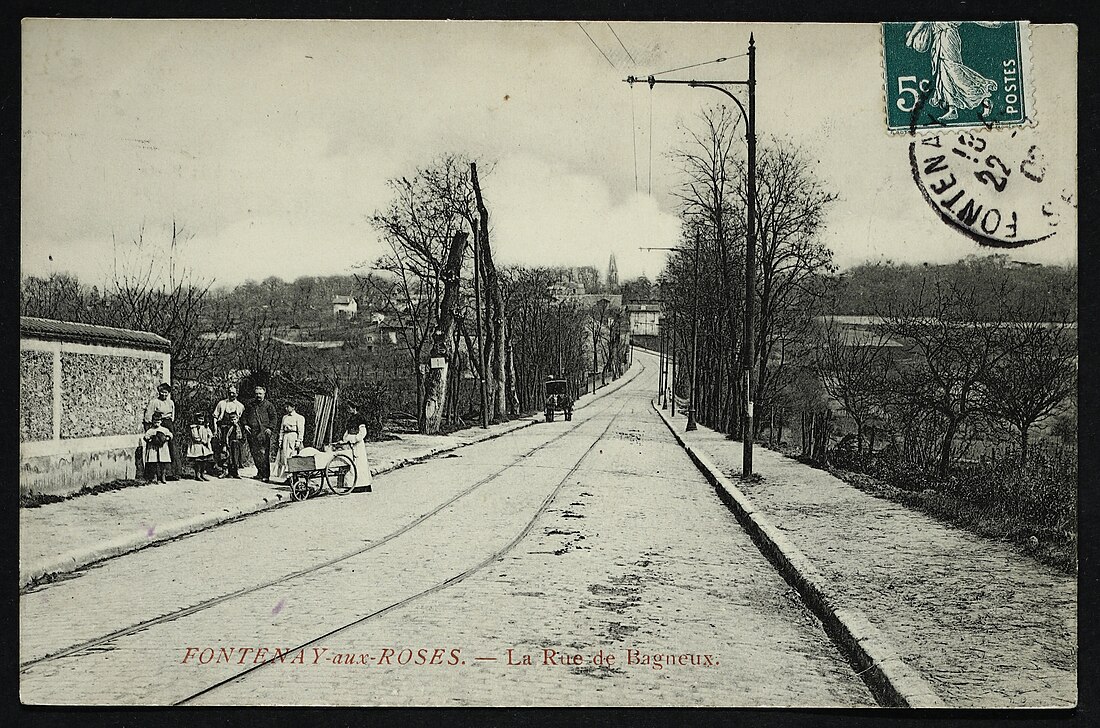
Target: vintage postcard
[(588, 363)]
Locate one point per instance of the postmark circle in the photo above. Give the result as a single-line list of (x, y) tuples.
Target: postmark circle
[(990, 186)]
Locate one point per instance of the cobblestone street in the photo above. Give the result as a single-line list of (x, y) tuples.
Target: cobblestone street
[(597, 535)]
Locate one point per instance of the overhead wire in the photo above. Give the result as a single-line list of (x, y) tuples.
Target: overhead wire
[(597, 46), (696, 65), (628, 54)]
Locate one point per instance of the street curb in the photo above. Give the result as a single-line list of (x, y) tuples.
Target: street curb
[(80, 558), (893, 683)]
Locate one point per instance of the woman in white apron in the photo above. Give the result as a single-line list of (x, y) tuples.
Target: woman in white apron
[(355, 434)]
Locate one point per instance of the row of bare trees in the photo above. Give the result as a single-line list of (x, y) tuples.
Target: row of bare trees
[(791, 202), (147, 290), (456, 315), (968, 355), (440, 284)]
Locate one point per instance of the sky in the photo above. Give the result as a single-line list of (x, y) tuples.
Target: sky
[(269, 143)]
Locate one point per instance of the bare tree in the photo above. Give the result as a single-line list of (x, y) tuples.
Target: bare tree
[(435, 390), (494, 307), (791, 202), (1034, 375), (713, 222), (852, 366), (419, 225), (790, 206), (954, 340)]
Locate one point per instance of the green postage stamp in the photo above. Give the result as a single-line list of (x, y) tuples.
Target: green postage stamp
[(955, 74)]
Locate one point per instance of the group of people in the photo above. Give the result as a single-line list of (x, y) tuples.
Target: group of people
[(215, 444)]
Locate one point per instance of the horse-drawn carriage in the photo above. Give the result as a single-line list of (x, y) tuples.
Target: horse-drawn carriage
[(558, 399)]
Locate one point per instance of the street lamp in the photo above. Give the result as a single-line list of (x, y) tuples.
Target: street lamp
[(750, 251)]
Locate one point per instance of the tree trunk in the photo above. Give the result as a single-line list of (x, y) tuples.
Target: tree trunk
[(1025, 431), (946, 448), (435, 394), (495, 299), (510, 376), (421, 423)]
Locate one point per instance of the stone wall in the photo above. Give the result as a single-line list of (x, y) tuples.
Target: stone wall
[(105, 394), (80, 411), (35, 395)]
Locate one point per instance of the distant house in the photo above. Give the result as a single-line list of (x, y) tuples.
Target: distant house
[(309, 344), (566, 288), (218, 335), (643, 318), (345, 305), (392, 333)]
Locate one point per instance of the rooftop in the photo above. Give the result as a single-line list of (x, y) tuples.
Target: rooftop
[(40, 328)]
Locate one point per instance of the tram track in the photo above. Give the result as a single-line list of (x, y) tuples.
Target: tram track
[(438, 586), (97, 642)]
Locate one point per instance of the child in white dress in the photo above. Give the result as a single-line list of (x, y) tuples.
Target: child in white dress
[(199, 452), (157, 452)]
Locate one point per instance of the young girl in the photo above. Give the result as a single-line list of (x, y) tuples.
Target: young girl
[(199, 452), (157, 452)]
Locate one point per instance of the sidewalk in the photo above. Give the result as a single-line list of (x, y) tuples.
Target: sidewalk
[(59, 538), (980, 623)]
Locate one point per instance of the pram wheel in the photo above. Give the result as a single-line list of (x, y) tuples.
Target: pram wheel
[(340, 474), (300, 488)]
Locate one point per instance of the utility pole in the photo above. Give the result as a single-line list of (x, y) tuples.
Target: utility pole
[(748, 350), (661, 360), (750, 272), (691, 424), (480, 333), (673, 388)]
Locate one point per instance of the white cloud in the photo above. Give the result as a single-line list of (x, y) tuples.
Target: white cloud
[(545, 215)]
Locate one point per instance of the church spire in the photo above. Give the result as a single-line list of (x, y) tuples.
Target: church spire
[(612, 273)]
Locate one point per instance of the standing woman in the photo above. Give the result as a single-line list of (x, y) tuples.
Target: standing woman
[(291, 433), (355, 434), (162, 405)]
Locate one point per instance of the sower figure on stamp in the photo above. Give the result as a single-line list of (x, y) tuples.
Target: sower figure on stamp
[(955, 85), (260, 421)]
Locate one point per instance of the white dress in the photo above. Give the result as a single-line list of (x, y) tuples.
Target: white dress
[(357, 440), (292, 430)]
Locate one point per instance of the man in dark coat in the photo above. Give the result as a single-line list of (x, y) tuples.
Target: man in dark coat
[(260, 422)]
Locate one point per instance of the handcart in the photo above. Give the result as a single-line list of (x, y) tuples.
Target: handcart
[(311, 470)]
